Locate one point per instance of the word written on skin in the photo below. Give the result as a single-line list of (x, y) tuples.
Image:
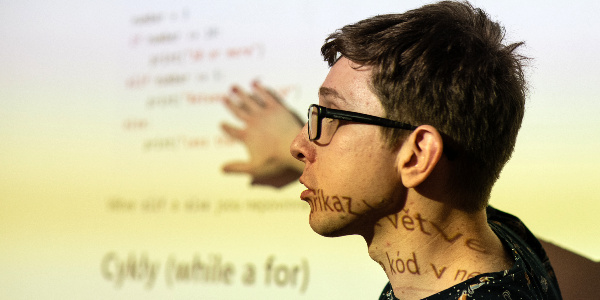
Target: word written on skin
[(213, 269), (416, 222), (343, 204), (397, 265), (333, 203)]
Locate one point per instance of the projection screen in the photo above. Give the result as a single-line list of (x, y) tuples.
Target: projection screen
[(111, 152)]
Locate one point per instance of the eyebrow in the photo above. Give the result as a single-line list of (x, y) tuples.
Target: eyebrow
[(329, 92)]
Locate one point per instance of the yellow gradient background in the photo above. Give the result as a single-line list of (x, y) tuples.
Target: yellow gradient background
[(79, 181)]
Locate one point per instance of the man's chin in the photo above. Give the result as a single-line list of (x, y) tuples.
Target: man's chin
[(330, 227)]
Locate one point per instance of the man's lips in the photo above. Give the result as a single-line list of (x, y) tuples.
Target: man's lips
[(307, 194)]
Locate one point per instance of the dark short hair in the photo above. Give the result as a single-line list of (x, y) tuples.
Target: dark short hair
[(444, 65)]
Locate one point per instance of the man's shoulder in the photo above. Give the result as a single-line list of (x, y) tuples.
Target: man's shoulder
[(513, 232), (530, 257)]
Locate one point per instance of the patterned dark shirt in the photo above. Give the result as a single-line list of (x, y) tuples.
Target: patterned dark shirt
[(530, 277)]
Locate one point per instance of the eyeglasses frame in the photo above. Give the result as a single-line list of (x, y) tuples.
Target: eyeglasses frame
[(324, 112)]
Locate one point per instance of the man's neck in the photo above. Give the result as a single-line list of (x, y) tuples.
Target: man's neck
[(427, 249)]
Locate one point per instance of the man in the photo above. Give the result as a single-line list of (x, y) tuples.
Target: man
[(416, 118)]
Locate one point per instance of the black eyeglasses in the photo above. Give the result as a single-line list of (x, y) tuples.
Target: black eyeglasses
[(317, 113)]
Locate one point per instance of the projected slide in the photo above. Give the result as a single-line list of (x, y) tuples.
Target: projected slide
[(112, 154)]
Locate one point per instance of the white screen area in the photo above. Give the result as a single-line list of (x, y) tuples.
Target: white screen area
[(111, 150)]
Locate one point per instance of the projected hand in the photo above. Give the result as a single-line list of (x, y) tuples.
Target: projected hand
[(270, 129)]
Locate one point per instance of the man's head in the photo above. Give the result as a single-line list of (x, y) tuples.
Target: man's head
[(444, 65), (350, 171)]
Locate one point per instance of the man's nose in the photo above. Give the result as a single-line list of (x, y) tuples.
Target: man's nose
[(301, 148)]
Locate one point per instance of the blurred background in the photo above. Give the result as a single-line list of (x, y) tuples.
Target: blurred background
[(111, 151)]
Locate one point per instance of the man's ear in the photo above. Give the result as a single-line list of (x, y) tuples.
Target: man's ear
[(419, 154)]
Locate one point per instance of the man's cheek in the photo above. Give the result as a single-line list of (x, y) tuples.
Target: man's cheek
[(334, 203)]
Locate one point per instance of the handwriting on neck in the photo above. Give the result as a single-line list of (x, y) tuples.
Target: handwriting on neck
[(396, 265), (404, 221)]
